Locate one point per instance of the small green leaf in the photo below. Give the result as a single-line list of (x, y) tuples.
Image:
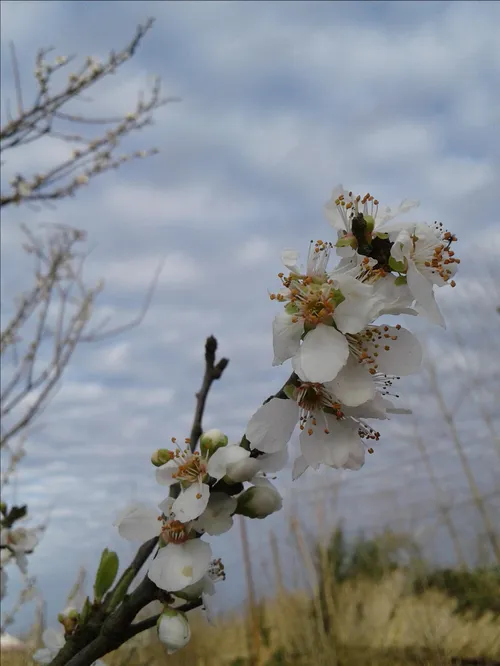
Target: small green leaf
[(380, 234), (106, 573), (86, 610), (397, 266), (400, 280)]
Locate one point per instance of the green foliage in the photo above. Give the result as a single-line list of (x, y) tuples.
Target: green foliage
[(476, 592), (106, 573), (368, 558)]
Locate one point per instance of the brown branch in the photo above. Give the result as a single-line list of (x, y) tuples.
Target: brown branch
[(212, 372)]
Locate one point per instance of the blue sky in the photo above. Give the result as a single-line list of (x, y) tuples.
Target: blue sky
[(280, 102)]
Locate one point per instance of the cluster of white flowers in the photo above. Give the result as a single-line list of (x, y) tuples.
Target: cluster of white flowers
[(15, 544), (344, 364), (209, 490)]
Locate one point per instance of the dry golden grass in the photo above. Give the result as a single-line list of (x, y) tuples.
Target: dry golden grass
[(369, 624)]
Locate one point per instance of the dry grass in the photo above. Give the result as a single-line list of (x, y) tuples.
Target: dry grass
[(363, 623)]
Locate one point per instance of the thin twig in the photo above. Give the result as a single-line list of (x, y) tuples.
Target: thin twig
[(212, 372)]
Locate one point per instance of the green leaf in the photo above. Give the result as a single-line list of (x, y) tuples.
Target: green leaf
[(86, 610), (397, 266), (106, 573), (400, 280)]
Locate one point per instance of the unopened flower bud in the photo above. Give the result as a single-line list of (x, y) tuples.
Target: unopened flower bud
[(259, 502), (173, 630), (69, 619), (161, 457), (211, 440)]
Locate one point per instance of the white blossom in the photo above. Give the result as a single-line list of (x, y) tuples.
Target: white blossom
[(344, 207), (376, 356), (426, 260), (330, 433), (190, 470), (182, 561), (320, 310), (217, 517)]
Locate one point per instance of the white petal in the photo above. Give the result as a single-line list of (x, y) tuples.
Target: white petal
[(286, 337), (332, 212), (402, 245), (43, 656), (273, 462), (333, 448), (404, 355), (270, 428), (359, 308), (179, 565), (323, 354), (226, 455), (299, 467), (289, 259), (243, 470), (191, 502), (423, 292), (217, 518), (138, 522), (53, 639), (376, 408), (356, 458), (166, 506), (164, 474), (353, 385)]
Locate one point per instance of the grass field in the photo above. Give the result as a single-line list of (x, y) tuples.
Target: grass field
[(364, 610)]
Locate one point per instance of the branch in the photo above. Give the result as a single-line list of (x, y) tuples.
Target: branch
[(212, 372)]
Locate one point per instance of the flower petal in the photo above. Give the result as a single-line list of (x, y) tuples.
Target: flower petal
[(322, 355), (226, 455), (53, 639), (332, 448), (299, 467), (332, 212), (191, 502), (217, 517), (270, 428), (353, 385), (289, 259), (43, 656), (403, 356), (138, 522), (179, 565), (164, 474), (243, 470), (423, 292), (286, 337), (273, 462), (360, 306)]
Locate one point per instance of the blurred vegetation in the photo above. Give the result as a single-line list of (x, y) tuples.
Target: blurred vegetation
[(376, 602)]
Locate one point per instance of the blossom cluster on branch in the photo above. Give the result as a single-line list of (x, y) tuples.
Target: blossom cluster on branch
[(344, 368)]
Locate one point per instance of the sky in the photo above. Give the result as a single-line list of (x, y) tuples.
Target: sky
[(280, 102)]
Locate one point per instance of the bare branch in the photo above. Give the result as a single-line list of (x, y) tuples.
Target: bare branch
[(212, 372)]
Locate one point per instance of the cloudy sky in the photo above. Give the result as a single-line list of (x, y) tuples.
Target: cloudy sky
[(280, 102)]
